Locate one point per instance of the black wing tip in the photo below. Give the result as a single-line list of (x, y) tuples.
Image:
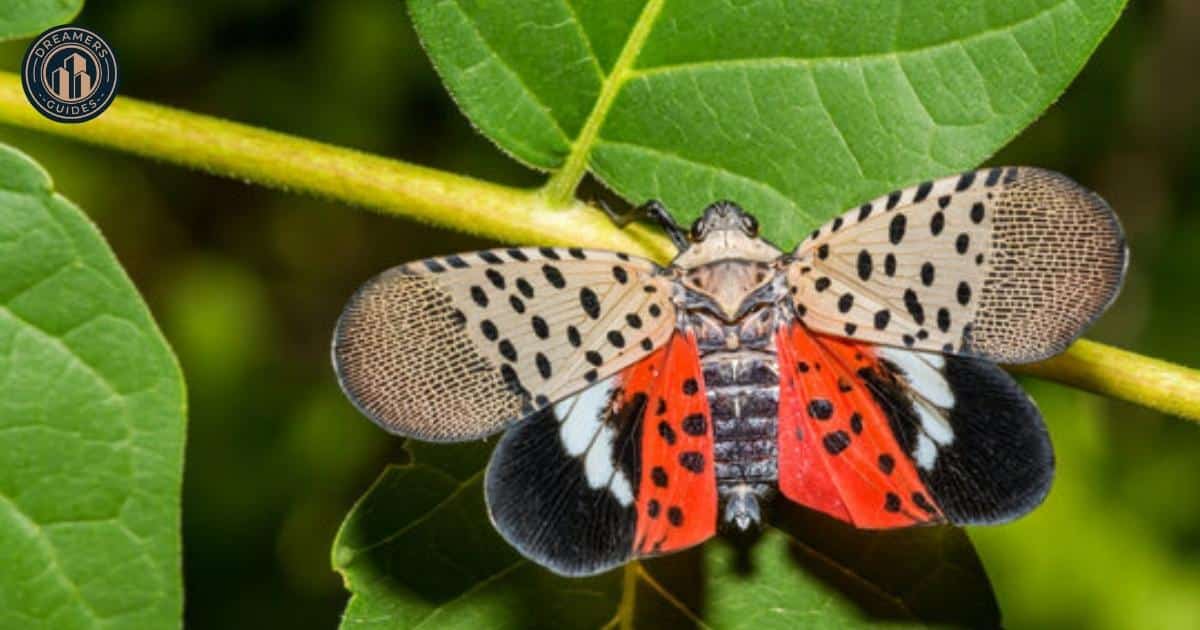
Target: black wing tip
[(539, 503), (1018, 505), (1000, 439)]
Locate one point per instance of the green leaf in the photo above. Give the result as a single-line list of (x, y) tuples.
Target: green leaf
[(22, 18), (91, 425), (797, 110), (418, 549)]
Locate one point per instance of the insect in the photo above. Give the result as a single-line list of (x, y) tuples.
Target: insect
[(648, 406)]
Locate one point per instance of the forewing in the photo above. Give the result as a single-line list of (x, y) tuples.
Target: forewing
[(601, 477), (892, 437), (1010, 264), (459, 347)]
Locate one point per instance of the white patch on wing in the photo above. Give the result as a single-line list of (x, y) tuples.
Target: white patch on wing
[(925, 453), (621, 489), (598, 465), (584, 435), (932, 400), (934, 424), (582, 415), (922, 375)]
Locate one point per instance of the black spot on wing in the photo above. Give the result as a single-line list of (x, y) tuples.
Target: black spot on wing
[(914, 306), (695, 424), (507, 350), (993, 176), (977, 212), (554, 276), (836, 442), (693, 461), (524, 287), (479, 296), (896, 229), (540, 327), (495, 277), (965, 181), (927, 274), (922, 192), (962, 243), (658, 476), (882, 318), (589, 302), (864, 265), (820, 409)]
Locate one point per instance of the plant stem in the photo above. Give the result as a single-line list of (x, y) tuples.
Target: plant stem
[(563, 183), (494, 211), (626, 609), (374, 182), (1117, 373)]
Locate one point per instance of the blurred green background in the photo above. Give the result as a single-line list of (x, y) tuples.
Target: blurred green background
[(247, 283)]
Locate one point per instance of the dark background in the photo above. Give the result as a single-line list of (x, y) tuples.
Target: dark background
[(247, 283)]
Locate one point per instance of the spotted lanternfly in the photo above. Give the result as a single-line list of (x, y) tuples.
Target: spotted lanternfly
[(648, 405)]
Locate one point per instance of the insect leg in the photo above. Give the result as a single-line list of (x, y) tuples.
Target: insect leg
[(654, 210)]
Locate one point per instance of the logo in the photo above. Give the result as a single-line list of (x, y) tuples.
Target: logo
[(69, 74)]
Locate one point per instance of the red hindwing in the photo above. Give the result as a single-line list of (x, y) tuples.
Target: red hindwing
[(837, 451), (677, 491)]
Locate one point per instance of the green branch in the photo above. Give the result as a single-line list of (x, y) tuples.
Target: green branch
[(377, 183), (561, 186), (1117, 373), (498, 212)]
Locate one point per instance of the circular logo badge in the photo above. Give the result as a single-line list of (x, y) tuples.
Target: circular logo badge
[(69, 74)]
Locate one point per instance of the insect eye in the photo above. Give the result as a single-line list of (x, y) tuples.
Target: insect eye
[(697, 230), (750, 224)]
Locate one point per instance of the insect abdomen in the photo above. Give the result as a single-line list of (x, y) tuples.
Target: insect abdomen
[(743, 395)]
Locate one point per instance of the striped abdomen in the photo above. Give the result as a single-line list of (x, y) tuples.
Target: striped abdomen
[(743, 394)]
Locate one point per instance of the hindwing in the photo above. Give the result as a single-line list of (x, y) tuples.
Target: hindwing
[(884, 437), (619, 470)]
